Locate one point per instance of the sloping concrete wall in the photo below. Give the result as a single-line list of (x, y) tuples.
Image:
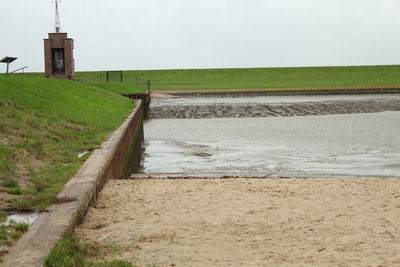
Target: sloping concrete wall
[(116, 158)]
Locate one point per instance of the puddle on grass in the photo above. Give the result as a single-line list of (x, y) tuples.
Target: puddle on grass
[(21, 217), (7, 226), (325, 146)]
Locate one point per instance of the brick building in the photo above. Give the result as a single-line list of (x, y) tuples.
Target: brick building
[(59, 56)]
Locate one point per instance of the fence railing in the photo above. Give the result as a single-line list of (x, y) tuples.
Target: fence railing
[(115, 77)]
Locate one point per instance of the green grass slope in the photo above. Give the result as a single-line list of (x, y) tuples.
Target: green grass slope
[(70, 252), (120, 88), (260, 77), (44, 124)]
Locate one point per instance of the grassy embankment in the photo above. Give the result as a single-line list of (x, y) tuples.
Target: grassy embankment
[(70, 252), (97, 79), (260, 77), (44, 124), (250, 78), (119, 88)]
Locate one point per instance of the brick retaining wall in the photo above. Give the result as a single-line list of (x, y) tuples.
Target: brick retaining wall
[(116, 158)]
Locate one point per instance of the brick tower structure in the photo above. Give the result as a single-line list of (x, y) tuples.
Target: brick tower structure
[(58, 56), (59, 53)]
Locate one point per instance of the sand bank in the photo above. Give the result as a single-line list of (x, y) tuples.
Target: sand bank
[(249, 222), (249, 110)]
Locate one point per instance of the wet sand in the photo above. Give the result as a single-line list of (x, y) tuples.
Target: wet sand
[(249, 222), (250, 110)]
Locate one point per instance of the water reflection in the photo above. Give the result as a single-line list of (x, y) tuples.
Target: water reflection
[(336, 145), (21, 217)]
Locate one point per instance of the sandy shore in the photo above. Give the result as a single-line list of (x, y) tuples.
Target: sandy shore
[(249, 222)]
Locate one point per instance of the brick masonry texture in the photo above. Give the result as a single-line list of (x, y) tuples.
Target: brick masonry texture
[(59, 41), (113, 160)]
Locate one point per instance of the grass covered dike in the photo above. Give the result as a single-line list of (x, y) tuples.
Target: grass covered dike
[(45, 123), (252, 78)]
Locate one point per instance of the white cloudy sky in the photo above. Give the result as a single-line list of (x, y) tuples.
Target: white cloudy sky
[(164, 34)]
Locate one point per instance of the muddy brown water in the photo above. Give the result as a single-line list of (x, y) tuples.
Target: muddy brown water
[(313, 146)]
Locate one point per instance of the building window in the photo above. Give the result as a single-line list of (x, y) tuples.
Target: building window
[(58, 61)]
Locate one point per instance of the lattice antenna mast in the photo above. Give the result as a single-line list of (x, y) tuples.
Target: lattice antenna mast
[(58, 24)]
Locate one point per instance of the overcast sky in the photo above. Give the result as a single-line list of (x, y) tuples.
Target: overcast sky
[(169, 34)]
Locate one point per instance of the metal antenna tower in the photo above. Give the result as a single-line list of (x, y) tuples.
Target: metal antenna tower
[(58, 24)]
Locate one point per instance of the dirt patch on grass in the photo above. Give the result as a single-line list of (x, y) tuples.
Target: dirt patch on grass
[(26, 168), (250, 222)]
